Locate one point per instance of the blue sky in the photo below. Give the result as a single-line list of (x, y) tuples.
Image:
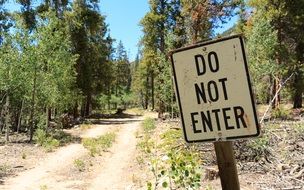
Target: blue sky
[(123, 17)]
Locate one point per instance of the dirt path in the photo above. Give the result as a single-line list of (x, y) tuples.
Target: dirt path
[(112, 173), (116, 172)]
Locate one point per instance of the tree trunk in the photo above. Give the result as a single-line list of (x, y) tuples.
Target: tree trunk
[(20, 116), (47, 118), (7, 118), (275, 88), (88, 107), (75, 110), (298, 87), (2, 119), (147, 93), (277, 80), (152, 91), (299, 77), (33, 104)]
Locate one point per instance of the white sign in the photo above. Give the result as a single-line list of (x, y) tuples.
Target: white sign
[(213, 90)]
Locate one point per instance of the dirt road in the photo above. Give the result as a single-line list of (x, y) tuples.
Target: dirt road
[(109, 171)]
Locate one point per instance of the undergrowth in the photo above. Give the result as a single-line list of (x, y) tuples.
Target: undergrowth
[(79, 165), (173, 164), (98, 145), (45, 140), (52, 139)]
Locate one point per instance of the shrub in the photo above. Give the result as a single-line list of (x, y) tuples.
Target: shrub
[(45, 140), (281, 113), (259, 147)]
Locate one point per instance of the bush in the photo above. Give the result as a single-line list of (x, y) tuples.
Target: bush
[(259, 147), (40, 136), (281, 113), (45, 140)]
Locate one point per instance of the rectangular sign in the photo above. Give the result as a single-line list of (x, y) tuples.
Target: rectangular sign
[(213, 90)]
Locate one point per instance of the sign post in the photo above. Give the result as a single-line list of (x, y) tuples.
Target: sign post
[(215, 98), (227, 165)]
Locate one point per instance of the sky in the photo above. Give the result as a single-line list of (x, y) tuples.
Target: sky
[(123, 17)]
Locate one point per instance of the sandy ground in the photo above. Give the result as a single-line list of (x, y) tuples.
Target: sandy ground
[(111, 170)]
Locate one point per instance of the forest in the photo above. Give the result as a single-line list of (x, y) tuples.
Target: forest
[(58, 58), (58, 62)]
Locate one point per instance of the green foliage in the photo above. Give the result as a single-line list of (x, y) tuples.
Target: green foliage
[(45, 140), (97, 145), (281, 113), (299, 128), (209, 187), (259, 147), (51, 139), (174, 168), (184, 169), (148, 125), (183, 163), (79, 164)]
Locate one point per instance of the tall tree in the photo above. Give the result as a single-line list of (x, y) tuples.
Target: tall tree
[(281, 18), (88, 32)]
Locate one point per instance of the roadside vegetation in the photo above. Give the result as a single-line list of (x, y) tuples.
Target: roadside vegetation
[(172, 163), (98, 145)]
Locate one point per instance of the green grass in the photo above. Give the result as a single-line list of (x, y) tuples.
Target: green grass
[(100, 144), (79, 164), (43, 187), (148, 125), (281, 113)]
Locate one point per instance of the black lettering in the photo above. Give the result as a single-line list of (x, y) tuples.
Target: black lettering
[(216, 113), (206, 120), (239, 115), (223, 80), (194, 122), (216, 61), (216, 94), (226, 118), (200, 93), (200, 64)]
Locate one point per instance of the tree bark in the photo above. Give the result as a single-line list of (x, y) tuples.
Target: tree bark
[(20, 116), (32, 114), (275, 88), (152, 91), (88, 105), (1, 120), (47, 118), (299, 77), (7, 118), (75, 110), (147, 93)]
